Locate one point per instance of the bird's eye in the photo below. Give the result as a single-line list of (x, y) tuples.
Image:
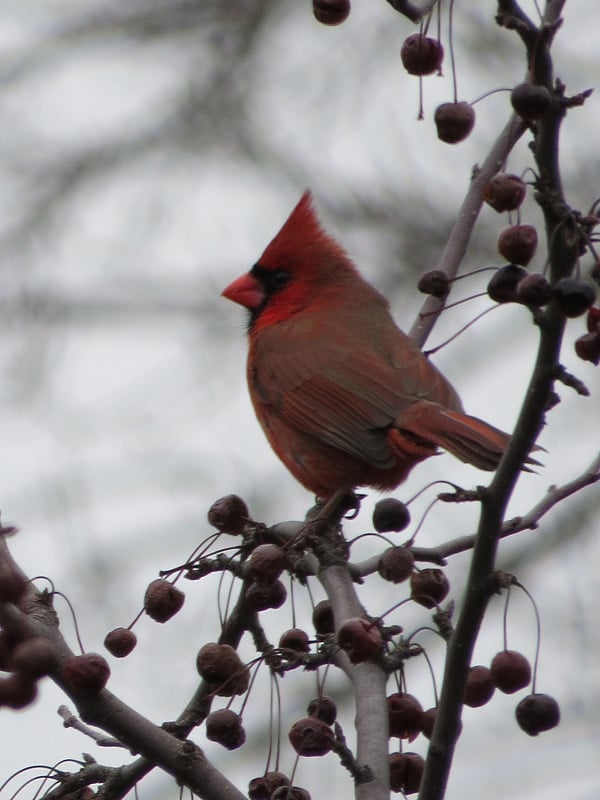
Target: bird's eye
[(280, 278)]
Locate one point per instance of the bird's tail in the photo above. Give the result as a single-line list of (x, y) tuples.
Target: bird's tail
[(468, 438)]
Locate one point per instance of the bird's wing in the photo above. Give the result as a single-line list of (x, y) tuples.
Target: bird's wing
[(342, 391)]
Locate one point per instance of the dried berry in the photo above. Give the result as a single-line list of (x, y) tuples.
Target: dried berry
[(537, 713), (228, 514), (324, 708), (162, 600), (225, 727), (266, 563), (502, 288), (361, 639), (120, 642), (510, 670), (295, 639), (406, 772), (533, 290), (322, 618), (480, 686), (17, 691), (33, 657), (435, 282), (263, 787), (290, 793), (454, 121), (592, 320), (429, 587), (573, 296), (518, 243), (428, 721), (389, 515), (396, 564), (505, 192), (310, 736), (221, 666), (331, 12), (87, 673), (421, 55), (404, 715), (587, 347), (260, 597), (530, 102)]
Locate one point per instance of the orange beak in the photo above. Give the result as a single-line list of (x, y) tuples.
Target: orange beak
[(246, 291)]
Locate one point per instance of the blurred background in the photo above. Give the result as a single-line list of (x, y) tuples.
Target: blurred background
[(149, 151)]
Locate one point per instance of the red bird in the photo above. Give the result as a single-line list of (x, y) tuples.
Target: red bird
[(344, 397)]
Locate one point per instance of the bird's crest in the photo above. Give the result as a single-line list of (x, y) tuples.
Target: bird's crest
[(302, 244)]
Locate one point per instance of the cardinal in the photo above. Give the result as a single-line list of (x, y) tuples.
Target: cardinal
[(344, 397)]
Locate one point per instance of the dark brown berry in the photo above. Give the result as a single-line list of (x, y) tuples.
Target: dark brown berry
[(435, 282), (295, 639), (505, 192), (33, 657), (225, 727), (228, 514), (322, 617), (390, 515), (404, 715), (518, 243), (310, 736), (530, 102), (428, 721), (291, 793), (120, 642), (324, 708), (87, 673), (331, 12), (510, 670), (266, 563), (421, 55), (396, 564), (533, 290), (429, 587), (537, 713), (480, 686), (263, 787), (592, 320), (361, 639), (502, 287), (573, 296), (17, 691), (587, 347), (261, 597), (406, 772), (162, 600), (221, 666), (454, 121)]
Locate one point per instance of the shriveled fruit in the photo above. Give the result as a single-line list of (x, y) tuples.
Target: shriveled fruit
[(331, 12), (421, 55), (505, 192), (537, 713), (361, 639), (429, 587), (162, 600), (390, 515), (480, 686), (510, 670), (454, 121), (310, 736)]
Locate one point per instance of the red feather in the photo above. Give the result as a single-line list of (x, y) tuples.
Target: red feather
[(344, 397)]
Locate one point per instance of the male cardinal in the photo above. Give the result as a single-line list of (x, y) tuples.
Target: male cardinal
[(343, 396)]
